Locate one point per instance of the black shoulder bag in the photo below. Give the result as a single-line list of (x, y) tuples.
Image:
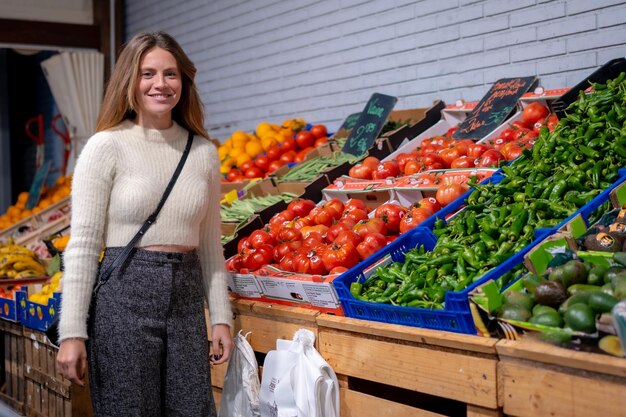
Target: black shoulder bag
[(53, 330)]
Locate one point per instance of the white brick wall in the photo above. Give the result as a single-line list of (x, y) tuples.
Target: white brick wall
[(321, 60)]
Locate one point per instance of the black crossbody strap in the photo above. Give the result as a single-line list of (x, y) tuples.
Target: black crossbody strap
[(119, 260)]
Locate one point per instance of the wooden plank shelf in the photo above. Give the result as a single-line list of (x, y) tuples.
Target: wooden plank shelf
[(453, 367), (538, 379)]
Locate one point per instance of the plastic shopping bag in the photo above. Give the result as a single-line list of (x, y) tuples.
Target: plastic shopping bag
[(297, 381), (240, 395)]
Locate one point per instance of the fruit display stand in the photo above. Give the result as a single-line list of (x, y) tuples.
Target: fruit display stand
[(409, 371), (538, 379)]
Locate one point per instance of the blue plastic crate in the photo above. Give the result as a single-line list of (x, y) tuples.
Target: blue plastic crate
[(459, 321), (38, 316)]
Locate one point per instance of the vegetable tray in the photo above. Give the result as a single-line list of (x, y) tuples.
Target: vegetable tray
[(455, 317)]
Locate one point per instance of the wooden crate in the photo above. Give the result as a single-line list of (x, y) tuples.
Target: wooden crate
[(47, 392), (538, 379), (13, 384), (413, 371)]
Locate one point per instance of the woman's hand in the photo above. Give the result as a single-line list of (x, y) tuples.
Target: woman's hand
[(220, 333), (72, 360)]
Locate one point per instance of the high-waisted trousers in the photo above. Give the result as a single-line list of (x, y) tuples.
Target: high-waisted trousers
[(148, 352)]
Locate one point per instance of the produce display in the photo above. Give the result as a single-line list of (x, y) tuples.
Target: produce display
[(241, 209), (563, 171), (255, 155), (17, 261), (311, 169), (18, 211)]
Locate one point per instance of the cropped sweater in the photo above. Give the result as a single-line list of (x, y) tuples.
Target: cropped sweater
[(118, 181)]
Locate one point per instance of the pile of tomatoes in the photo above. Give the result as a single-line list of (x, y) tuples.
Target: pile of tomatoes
[(444, 152), (328, 238), (521, 134), (290, 150)]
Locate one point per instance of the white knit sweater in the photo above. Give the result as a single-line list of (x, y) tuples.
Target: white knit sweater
[(118, 181)]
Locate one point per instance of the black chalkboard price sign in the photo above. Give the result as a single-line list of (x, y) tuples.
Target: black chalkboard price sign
[(349, 122), (494, 107), (369, 124)]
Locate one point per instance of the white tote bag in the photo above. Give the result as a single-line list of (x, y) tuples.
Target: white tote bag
[(297, 381), (240, 395)]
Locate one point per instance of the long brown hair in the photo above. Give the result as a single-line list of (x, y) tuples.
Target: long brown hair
[(119, 99)]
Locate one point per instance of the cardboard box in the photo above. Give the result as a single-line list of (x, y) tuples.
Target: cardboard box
[(420, 119)]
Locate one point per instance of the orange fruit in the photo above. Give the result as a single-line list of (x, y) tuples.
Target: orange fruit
[(253, 148), (22, 197)]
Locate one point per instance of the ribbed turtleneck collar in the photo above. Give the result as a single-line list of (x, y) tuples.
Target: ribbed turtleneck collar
[(154, 135)]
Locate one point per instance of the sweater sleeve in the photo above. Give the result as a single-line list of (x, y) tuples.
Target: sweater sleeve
[(211, 253), (91, 188)]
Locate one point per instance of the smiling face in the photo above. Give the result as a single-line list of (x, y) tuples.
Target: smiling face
[(158, 90)]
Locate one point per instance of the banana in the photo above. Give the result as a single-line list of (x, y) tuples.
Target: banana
[(27, 273), (15, 249), (12, 259), (23, 265)]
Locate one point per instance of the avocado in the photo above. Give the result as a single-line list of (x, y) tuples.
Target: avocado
[(604, 242), (574, 272), (519, 298), (601, 302), (539, 309), (550, 293), (619, 289), (576, 288), (556, 274), (596, 275), (579, 297), (611, 345), (580, 317), (614, 272), (620, 257), (514, 312), (552, 319), (607, 288), (556, 336), (530, 281)]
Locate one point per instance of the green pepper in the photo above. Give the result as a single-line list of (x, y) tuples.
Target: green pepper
[(356, 288), (516, 227), (445, 269), (469, 256), (559, 188), (391, 288)]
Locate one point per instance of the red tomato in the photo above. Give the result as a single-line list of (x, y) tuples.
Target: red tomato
[(253, 172), (432, 158), (287, 157), (288, 234), (391, 214), (274, 165), (409, 222), (254, 259), (534, 112), (246, 166), (451, 131), (319, 131), (300, 222), (301, 156), (448, 193), (429, 204), (261, 237), (335, 203), (385, 170), (345, 255), (512, 151), (233, 175), (488, 159), (391, 238), (287, 262), (462, 162), (335, 229), (476, 149), (319, 228), (371, 225), (304, 139), (314, 239), (372, 243), (273, 153), (361, 172), (235, 263), (553, 120), (353, 204), (413, 167), (518, 124), (356, 215), (320, 141), (462, 145), (371, 162), (243, 244), (448, 155), (309, 262), (301, 206), (327, 216), (288, 145), (283, 249), (507, 134), (348, 236), (262, 162), (338, 270), (403, 158)]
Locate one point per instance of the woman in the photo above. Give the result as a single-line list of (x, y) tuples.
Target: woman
[(146, 340)]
